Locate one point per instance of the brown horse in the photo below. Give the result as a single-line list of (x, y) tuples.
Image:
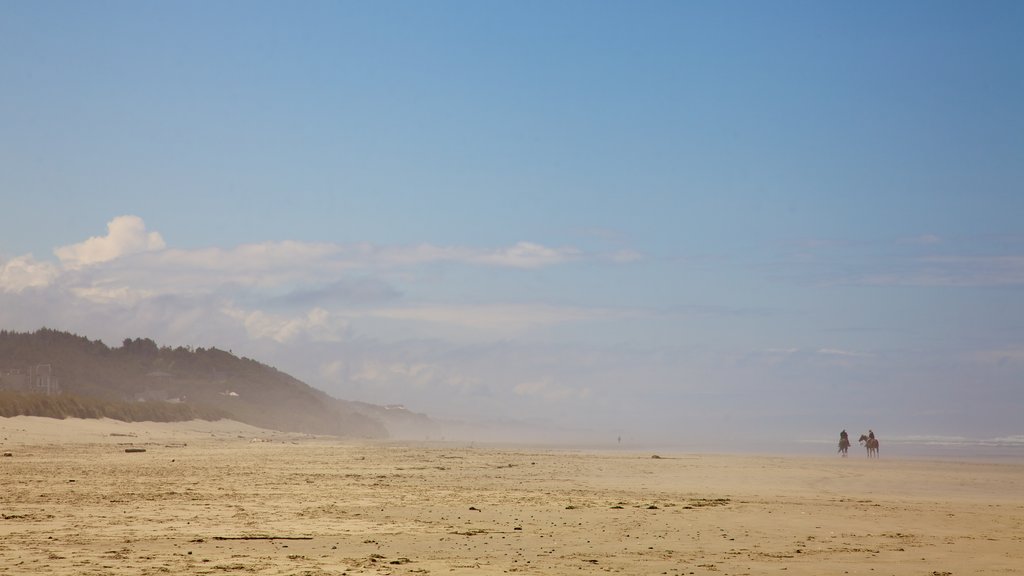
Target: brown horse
[(844, 445), (871, 444)]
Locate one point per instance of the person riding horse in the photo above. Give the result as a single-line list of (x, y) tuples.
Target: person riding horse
[(844, 442), (870, 442)]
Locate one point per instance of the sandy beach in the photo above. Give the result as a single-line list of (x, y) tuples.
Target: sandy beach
[(224, 498)]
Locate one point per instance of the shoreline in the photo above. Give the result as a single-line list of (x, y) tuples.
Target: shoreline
[(31, 429), (218, 497)]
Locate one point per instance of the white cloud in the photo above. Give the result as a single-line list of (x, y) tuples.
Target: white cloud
[(125, 235), (291, 256), (317, 325), (403, 376), (307, 267), (131, 263), (286, 291), (519, 255), (112, 294), (527, 255), (24, 272), (384, 372)]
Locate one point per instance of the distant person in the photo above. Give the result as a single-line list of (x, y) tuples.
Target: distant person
[(871, 434), (844, 443)]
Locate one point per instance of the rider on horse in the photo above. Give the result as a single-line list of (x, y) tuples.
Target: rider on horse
[(844, 442)]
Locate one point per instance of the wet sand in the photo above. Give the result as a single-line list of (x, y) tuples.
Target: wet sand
[(224, 498)]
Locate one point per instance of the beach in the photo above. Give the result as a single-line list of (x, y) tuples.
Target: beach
[(106, 497)]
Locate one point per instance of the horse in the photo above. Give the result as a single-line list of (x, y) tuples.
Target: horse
[(844, 444), (871, 444)]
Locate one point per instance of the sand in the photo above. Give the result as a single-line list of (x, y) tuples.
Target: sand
[(224, 498)]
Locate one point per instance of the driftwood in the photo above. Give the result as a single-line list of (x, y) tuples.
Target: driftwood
[(134, 449), (262, 537)]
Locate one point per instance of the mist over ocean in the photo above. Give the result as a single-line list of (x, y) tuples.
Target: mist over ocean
[(999, 448), (1009, 449)]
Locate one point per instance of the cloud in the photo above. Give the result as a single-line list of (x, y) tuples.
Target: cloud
[(372, 322), (296, 271), (527, 255), (317, 325), (131, 263), (519, 255), (112, 294), (416, 373), (269, 292), (24, 272), (395, 372), (125, 235)]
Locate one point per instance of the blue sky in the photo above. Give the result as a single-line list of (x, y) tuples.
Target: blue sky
[(662, 219)]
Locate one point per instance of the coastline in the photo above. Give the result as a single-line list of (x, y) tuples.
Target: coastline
[(223, 498)]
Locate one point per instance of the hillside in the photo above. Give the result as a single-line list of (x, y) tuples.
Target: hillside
[(55, 373)]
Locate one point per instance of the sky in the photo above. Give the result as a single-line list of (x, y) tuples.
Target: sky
[(676, 222)]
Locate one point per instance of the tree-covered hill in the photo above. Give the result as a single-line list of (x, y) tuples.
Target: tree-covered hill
[(207, 382)]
